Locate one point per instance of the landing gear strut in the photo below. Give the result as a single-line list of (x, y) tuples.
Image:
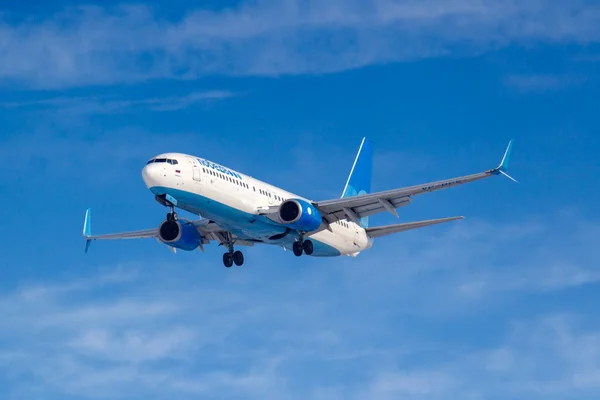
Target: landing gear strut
[(172, 216), (303, 246)]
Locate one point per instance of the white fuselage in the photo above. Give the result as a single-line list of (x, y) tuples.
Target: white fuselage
[(234, 200)]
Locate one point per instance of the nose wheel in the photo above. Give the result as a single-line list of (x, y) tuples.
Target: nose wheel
[(172, 217)]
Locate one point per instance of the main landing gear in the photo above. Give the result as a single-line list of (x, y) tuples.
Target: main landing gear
[(303, 246), (232, 257)]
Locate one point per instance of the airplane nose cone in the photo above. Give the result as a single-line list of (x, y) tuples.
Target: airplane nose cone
[(151, 175)]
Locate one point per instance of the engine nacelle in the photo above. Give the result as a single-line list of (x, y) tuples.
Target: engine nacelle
[(299, 215), (178, 234)]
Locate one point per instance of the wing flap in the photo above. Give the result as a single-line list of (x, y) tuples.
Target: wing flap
[(380, 231)]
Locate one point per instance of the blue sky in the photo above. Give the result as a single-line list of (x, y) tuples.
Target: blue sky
[(502, 305)]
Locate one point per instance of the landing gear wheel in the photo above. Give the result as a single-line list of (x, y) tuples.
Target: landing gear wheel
[(172, 216), (308, 247), (238, 258), (297, 248), (227, 260)]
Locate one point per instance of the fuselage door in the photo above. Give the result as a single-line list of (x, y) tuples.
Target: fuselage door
[(271, 197), (357, 229), (195, 169)]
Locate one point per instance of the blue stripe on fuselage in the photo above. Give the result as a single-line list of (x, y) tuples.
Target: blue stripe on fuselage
[(244, 225)]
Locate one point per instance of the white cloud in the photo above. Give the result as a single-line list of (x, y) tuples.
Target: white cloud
[(80, 106), (403, 384), (93, 45)]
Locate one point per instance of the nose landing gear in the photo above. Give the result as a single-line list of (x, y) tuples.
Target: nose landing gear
[(168, 201), (172, 216)]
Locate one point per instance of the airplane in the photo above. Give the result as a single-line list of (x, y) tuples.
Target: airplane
[(237, 210)]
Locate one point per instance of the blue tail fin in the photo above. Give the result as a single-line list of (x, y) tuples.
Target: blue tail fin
[(359, 181)]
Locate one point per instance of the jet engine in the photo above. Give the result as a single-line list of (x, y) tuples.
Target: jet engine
[(299, 215), (179, 234)]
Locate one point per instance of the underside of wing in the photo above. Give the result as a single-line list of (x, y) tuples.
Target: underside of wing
[(210, 230), (182, 234), (141, 234), (138, 234)]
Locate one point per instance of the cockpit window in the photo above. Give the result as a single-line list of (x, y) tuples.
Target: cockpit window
[(163, 160)]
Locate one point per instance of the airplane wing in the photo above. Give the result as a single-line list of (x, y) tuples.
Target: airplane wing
[(209, 230), (391, 229), (356, 207)]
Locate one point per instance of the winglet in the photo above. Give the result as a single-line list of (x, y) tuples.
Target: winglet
[(87, 228), (503, 167)]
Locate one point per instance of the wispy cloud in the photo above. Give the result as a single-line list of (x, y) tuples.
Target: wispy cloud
[(542, 82), (94, 45), (79, 106)]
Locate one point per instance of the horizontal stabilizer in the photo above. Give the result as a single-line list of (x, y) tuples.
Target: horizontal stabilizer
[(379, 231)]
